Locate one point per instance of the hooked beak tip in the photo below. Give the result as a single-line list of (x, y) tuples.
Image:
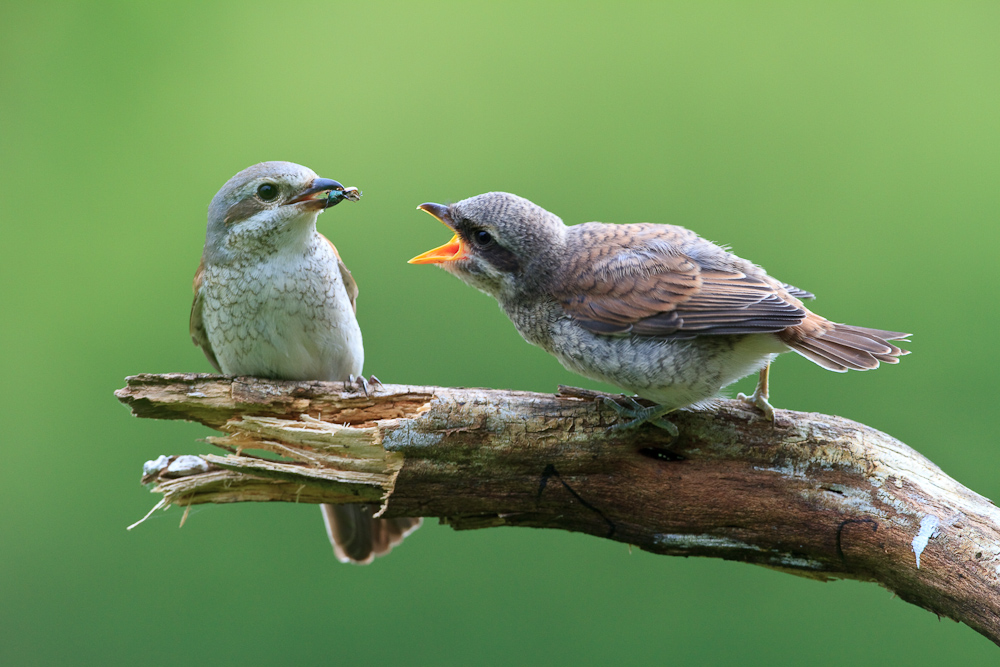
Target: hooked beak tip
[(439, 211)]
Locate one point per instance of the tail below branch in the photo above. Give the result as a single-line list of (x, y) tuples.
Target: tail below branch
[(359, 538), (841, 347)]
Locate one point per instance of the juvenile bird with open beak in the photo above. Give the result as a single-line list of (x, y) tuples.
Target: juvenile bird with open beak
[(653, 309), (272, 299)]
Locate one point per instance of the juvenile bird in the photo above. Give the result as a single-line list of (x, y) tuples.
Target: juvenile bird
[(273, 299), (653, 309)]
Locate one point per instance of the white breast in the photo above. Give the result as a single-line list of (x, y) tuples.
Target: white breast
[(284, 316)]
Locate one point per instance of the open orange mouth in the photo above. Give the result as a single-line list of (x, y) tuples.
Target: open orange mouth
[(450, 251)]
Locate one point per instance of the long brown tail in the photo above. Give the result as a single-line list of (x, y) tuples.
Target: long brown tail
[(358, 538), (842, 347)]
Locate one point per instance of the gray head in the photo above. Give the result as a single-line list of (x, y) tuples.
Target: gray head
[(267, 206), (504, 245)]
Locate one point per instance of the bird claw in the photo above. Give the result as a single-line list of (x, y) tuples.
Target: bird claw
[(638, 414), (667, 426), (367, 386), (759, 401)]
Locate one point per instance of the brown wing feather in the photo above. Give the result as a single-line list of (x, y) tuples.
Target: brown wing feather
[(196, 324), (798, 292), (635, 279), (349, 284)]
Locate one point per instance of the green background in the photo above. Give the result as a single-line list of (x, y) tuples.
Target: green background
[(850, 148)]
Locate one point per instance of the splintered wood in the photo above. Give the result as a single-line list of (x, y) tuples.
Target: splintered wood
[(810, 494)]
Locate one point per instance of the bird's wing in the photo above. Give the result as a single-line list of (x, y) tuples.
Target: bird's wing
[(798, 292), (197, 325), (634, 279), (349, 284)]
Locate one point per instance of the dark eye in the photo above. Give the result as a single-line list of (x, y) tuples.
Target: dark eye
[(482, 238), (268, 191)]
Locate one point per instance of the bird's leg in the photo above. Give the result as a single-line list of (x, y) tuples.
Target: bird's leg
[(639, 414), (759, 397), (361, 383)]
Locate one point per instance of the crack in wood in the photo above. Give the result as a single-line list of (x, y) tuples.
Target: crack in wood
[(473, 456)]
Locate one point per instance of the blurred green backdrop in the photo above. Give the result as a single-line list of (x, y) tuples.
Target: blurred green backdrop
[(850, 148)]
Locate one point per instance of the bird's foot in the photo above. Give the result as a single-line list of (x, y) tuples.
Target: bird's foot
[(759, 401), (638, 414), (367, 386)]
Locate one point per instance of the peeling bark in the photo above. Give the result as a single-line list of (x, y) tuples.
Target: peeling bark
[(811, 494)]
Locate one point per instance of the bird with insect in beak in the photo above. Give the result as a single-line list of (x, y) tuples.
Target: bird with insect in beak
[(273, 299), (653, 309)]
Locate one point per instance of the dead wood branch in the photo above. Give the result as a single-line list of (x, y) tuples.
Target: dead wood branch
[(812, 494)]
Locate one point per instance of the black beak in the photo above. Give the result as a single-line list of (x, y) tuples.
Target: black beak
[(323, 193), (318, 186), (440, 212)]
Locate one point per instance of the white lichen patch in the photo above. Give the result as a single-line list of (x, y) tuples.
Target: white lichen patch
[(407, 436), (779, 559), (928, 529), (177, 466), (891, 500), (787, 470), (155, 466), (701, 541), (185, 465), (787, 560), (850, 502)]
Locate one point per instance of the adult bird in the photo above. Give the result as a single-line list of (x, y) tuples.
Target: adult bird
[(273, 299), (653, 309)]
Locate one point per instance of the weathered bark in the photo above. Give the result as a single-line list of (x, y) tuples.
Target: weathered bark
[(812, 494)]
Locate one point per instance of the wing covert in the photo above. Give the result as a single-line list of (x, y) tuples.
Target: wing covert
[(196, 324), (639, 282), (345, 275)]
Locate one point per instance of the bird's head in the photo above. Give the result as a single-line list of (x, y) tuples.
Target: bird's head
[(503, 244), (269, 205)]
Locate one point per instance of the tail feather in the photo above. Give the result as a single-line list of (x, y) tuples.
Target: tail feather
[(819, 359), (877, 333), (857, 341), (842, 347), (358, 538), (849, 357)]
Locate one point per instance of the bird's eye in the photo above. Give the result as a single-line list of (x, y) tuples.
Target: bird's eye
[(482, 238), (268, 191)]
